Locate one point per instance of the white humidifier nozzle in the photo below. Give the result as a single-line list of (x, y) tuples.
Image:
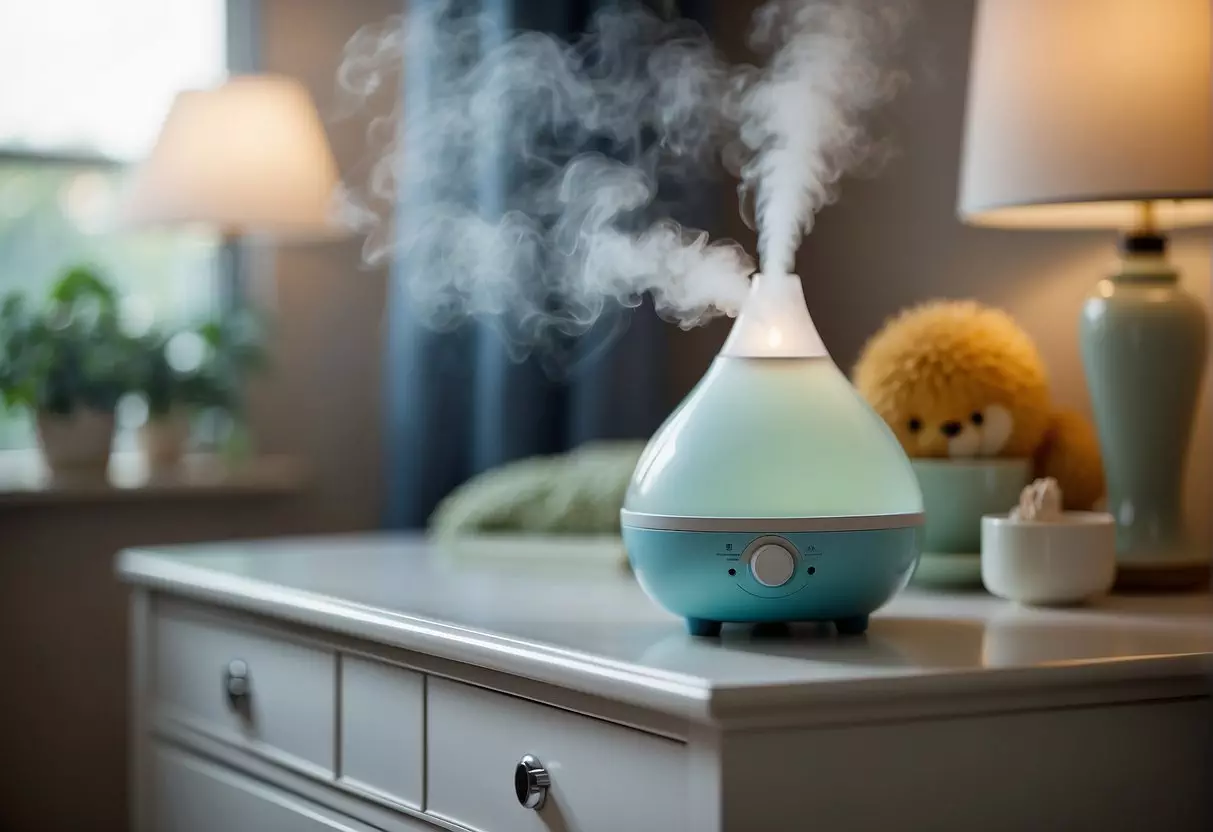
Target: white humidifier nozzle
[(774, 322)]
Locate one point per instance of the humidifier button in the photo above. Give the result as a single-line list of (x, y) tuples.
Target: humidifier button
[(772, 565)]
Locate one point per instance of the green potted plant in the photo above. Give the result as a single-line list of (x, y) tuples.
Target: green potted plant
[(166, 388), (235, 350), (67, 362), (193, 371)]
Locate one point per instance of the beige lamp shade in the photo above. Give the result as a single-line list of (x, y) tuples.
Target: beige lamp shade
[(1080, 110), (249, 156)]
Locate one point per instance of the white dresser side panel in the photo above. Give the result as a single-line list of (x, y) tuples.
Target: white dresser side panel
[(1115, 768)]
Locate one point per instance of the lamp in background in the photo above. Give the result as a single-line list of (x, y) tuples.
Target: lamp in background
[(247, 157), (1097, 114)]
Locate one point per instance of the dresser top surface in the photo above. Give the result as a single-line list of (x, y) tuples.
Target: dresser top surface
[(593, 629)]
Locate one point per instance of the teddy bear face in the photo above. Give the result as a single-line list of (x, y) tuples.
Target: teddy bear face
[(961, 429), (956, 379)]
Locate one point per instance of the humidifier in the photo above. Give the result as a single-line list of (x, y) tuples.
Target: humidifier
[(773, 493)]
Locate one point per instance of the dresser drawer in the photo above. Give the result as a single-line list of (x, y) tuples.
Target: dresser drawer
[(382, 729), (193, 795), (604, 777), (288, 708)]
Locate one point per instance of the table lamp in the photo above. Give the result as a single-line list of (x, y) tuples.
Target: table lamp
[(247, 157), (1089, 114)]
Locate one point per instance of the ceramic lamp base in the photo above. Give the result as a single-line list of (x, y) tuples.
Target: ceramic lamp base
[(1144, 342)]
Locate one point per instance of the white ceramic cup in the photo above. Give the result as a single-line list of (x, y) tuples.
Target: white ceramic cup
[(1065, 561)]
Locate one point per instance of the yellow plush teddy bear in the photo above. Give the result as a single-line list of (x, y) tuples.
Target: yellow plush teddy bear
[(958, 379)]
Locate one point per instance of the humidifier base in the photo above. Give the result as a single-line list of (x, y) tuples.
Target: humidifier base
[(773, 574), (700, 627), (853, 626)]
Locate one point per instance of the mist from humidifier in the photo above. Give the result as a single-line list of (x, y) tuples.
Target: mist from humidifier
[(551, 237), (802, 118)]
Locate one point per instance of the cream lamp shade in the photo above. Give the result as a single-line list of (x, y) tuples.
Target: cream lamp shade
[(1080, 111), (248, 157)]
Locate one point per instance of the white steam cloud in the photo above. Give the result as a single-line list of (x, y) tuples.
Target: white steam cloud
[(591, 134), (802, 116)]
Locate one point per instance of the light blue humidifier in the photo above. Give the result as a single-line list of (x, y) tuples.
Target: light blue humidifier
[(773, 493)]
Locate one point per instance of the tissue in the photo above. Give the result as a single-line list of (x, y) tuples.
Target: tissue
[(1039, 502)]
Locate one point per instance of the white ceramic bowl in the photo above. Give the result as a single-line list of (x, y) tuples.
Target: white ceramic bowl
[(1066, 561)]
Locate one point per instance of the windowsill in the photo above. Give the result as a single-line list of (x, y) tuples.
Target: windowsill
[(25, 480)]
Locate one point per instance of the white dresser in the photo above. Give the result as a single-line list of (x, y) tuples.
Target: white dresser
[(365, 683)]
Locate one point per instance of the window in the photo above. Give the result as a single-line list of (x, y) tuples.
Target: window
[(84, 87)]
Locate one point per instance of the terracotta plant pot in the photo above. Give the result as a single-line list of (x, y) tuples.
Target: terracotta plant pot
[(163, 440), (78, 443)]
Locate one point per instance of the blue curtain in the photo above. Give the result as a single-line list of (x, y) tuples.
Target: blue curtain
[(457, 404)]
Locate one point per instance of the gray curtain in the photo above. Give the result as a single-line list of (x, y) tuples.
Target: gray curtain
[(457, 404)]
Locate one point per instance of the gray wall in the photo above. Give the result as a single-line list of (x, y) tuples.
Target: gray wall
[(62, 614), (322, 402), (894, 240)]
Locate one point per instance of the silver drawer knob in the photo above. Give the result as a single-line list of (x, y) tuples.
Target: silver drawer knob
[(531, 782), (236, 683)]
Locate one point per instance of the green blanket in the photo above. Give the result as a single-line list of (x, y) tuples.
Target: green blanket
[(579, 492)]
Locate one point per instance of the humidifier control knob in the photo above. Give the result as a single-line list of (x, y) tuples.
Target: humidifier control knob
[(772, 564)]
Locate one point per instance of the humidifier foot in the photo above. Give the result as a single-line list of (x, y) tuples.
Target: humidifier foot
[(702, 627), (853, 626)]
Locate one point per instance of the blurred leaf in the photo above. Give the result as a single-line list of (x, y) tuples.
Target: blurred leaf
[(74, 353), (70, 355), (83, 283)]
